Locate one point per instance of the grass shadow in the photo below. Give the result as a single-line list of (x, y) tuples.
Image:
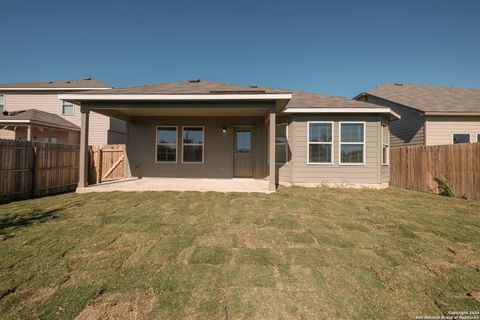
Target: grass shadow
[(25, 220)]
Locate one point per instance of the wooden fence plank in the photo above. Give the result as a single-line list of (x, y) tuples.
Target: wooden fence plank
[(422, 167)]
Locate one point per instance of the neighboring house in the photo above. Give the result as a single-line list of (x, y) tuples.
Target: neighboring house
[(36, 125), (430, 115), (200, 129), (43, 96)]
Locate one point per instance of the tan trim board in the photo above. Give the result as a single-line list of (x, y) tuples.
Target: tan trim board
[(175, 97), (343, 110)]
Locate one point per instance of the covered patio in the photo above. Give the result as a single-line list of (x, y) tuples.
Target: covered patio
[(181, 184), (196, 136)]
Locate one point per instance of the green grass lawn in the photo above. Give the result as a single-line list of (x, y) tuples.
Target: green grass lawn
[(297, 254)]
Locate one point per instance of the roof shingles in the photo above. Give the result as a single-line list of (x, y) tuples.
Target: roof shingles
[(299, 99), (87, 83), (431, 99), (38, 117)]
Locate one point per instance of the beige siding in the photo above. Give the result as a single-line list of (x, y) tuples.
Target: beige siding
[(70, 137), (409, 130), (48, 102), (7, 134), (440, 129), (218, 147), (336, 173)]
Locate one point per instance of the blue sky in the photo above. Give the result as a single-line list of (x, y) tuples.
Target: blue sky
[(335, 47)]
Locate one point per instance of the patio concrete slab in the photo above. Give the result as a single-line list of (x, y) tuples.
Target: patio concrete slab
[(180, 184)]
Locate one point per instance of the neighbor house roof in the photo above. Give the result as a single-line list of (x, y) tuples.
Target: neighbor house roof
[(85, 84), (36, 117), (430, 99), (204, 90)]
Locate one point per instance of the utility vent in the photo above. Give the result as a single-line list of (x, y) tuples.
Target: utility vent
[(398, 84), (194, 81)]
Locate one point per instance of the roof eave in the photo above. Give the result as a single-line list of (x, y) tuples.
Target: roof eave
[(174, 97), (444, 113), (38, 123), (50, 89), (392, 114)]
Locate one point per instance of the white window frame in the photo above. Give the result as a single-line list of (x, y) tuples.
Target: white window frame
[(2, 106), (63, 109), (341, 143), (330, 143), (194, 144), (282, 143), (466, 133), (176, 143), (387, 144)]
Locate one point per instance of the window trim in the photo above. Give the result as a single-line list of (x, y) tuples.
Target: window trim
[(194, 144), (63, 109), (283, 143), (176, 143), (385, 163), (364, 143), (330, 143), (465, 133)]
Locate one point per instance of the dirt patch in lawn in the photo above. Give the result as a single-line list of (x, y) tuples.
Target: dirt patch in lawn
[(139, 308)]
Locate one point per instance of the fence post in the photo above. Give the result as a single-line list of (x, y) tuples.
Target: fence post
[(34, 170), (99, 165)]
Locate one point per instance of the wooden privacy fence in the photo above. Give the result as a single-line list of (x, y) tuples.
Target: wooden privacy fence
[(106, 162), (31, 169), (422, 168)]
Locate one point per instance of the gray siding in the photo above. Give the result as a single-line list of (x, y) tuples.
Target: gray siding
[(100, 125), (335, 173), (384, 169), (409, 130), (284, 171), (218, 147)]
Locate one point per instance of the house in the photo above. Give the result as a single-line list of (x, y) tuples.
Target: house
[(43, 96), (429, 115), (201, 129), (39, 125)]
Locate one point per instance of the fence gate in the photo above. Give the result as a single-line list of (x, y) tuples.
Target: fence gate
[(106, 163)]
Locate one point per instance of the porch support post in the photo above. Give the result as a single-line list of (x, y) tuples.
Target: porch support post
[(29, 133), (84, 121), (271, 150)]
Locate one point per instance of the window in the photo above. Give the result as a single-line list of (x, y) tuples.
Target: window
[(352, 143), (67, 109), (478, 137), (50, 140), (385, 144), (281, 144), (166, 144), (461, 138), (320, 143), (193, 144), (1, 103)]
